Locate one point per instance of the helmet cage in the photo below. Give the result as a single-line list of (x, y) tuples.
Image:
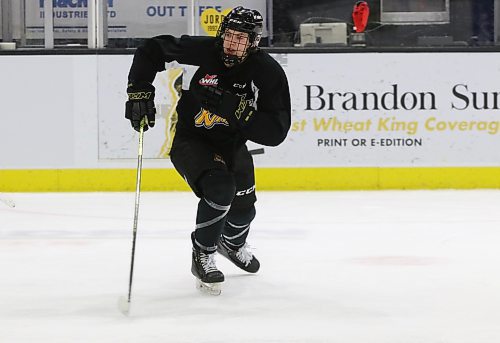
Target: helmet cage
[(242, 20)]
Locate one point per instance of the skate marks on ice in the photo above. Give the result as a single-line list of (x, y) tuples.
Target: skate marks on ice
[(421, 267), (398, 260), (209, 289)]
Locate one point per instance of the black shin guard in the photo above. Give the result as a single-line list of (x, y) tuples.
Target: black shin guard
[(237, 226), (218, 190)]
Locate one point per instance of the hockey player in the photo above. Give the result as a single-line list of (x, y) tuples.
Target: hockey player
[(237, 93)]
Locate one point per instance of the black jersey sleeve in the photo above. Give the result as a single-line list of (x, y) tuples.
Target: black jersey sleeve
[(271, 121), (151, 57)]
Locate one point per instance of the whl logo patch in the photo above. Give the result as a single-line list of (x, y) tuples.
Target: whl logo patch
[(209, 80), (208, 120)]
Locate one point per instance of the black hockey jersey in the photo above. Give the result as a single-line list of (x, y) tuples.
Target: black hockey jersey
[(260, 79)]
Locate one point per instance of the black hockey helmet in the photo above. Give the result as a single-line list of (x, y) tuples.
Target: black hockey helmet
[(243, 20)]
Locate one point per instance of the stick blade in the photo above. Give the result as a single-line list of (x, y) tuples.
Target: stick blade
[(8, 202), (124, 305)]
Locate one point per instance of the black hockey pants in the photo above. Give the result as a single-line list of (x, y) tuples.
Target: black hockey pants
[(224, 182)]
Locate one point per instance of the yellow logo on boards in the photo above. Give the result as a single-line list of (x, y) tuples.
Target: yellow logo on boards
[(208, 120), (171, 83), (210, 20)]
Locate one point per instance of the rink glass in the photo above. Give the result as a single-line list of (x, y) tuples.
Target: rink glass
[(122, 24)]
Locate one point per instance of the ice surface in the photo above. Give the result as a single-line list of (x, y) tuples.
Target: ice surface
[(363, 267)]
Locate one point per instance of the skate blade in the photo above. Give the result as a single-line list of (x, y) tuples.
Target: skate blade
[(209, 288)]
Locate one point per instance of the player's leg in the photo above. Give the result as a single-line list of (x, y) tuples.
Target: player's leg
[(232, 244), (206, 172), (217, 189)]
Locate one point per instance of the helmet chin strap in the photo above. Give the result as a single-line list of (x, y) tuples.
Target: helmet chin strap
[(232, 60)]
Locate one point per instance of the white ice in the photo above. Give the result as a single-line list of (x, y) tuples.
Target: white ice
[(362, 267)]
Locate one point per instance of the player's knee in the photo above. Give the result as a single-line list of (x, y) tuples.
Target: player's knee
[(241, 216), (218, 185)]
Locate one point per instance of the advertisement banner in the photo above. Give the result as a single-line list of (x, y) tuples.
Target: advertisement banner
[(131, 19), (352, 110), (372, 109)]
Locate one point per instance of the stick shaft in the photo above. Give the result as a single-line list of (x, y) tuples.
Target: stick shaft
[(136, 209)]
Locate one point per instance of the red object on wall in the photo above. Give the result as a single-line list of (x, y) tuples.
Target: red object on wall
[(360, 15)]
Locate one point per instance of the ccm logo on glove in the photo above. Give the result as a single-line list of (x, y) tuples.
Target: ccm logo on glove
[(140, 107), (139, 96)]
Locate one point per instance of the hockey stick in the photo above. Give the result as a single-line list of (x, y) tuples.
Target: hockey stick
[(124, 303), (256, 151), (7, 201)]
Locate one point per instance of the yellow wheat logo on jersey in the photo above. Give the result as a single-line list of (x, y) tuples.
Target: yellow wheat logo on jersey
[(208, 120)]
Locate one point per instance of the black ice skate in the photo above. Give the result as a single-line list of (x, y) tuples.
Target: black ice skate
[(241, 257), (207, 275)]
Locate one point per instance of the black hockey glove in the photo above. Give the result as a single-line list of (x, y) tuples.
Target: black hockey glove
[(226, 104), (140, 104)]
